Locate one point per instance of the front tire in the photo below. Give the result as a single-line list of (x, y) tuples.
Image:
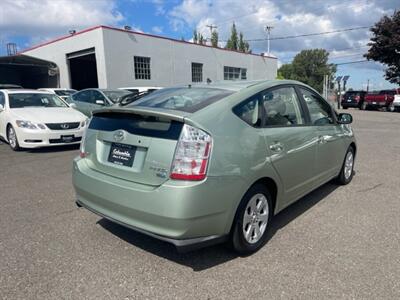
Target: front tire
[(249, 232), (12, 139), (347, 171)]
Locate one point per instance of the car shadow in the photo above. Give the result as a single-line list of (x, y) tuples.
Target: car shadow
[(53, 149), (209, 257)]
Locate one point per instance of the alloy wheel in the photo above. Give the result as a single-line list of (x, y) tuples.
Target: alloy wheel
[(12, 137), (348, 165), (255, 218)]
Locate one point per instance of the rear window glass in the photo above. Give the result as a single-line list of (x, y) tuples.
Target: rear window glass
[(137, 124), (188, 99)]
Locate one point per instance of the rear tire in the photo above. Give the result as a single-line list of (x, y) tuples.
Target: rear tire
[(347, 171), (253, 216), (12, 138)]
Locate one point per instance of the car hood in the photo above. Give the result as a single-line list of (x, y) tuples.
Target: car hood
[(48, 114)]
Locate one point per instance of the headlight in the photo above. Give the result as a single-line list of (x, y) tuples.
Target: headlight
[(85, 123), (29, 125)]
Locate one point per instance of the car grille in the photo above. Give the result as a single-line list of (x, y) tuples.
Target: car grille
[(62, 126), (60, 141)]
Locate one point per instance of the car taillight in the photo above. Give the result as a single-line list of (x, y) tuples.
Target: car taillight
[(82, 152), (357, 98), (191, 154)]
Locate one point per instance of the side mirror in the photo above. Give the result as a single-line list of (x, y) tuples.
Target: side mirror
[(345, 118), (100, 102), (1, 107)]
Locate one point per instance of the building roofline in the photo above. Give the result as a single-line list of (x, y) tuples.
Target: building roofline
[(134, 32)]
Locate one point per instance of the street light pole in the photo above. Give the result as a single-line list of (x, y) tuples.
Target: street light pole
[(268, 30)]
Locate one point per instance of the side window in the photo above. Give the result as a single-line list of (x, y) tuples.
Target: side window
[(83, 96), (320, 110), (96, 95), (250, 111), (2, 99), (282, 107)]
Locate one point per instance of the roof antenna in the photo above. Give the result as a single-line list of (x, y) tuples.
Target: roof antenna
[(189, 86), (208, 81)]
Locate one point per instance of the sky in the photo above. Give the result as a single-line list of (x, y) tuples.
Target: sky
[(29, 22)]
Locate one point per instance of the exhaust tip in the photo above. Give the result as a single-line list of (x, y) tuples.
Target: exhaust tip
[(78, 204)]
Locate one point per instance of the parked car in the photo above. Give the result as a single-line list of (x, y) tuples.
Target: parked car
[(199, 165), (396, 103), (60, 92), (32, 119), (5, 86), (90, 99), (141, 89), (353, 99), (381, 99)]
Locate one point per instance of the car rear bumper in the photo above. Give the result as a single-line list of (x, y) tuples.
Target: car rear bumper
[(350, 104), (186, 214), (376, 104), (28, 138)]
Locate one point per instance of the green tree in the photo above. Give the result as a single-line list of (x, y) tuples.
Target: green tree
[(195, 35), (309, 66), (242, 45), (385, 46), (214, 38), (233, 41)]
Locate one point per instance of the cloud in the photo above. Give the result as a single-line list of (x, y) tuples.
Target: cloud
[(157, 29), (47, 18), (287, 18)]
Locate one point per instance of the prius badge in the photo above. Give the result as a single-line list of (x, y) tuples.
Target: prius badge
[(119, 135)]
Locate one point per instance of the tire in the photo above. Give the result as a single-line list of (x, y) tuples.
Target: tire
[(364, 106), (344, 107), (347, 170), (12, 138), (252, 216), (391, 108)]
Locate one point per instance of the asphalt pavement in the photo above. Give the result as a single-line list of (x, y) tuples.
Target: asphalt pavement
[(339, 242)]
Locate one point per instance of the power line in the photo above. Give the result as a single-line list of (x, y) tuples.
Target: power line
[(306, 34), (351, 62)]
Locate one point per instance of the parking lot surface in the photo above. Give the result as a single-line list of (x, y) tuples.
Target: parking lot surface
[(337, 242)]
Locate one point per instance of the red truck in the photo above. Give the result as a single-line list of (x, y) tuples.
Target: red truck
[(380, 99)]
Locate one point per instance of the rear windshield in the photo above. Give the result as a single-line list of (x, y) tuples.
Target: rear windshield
[(34, 100), (188, 99)]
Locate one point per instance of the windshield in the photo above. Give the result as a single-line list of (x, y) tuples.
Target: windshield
[(187, 99), (64, 92), (116, 95), (34, 100)]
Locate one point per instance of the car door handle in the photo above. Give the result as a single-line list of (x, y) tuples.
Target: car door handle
[(276, 147), (322, 139)]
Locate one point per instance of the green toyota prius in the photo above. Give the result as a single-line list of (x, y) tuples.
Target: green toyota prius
[(201, 164)]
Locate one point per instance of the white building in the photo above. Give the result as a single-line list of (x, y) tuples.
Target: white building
[(109, 57)]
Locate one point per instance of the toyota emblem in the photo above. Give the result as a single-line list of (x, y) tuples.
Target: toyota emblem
[(119, 135)]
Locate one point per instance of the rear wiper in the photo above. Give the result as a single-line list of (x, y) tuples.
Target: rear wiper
[(125, 100)]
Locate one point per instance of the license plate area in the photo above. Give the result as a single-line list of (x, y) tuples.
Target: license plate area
[(67, 138), (122, 154)]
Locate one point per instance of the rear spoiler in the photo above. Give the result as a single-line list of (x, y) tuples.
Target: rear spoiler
[(144, 111)]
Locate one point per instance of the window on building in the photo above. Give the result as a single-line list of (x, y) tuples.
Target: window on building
[(142, 67), (197, 72), (233, 73)]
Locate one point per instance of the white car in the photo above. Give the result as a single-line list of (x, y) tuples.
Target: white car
[(60, 92), (32, 119), (396, 103)]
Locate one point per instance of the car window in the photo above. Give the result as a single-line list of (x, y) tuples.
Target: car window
[(2, 99), (96, 95), (20, 100), (250, 111), (116, 95), (282, 107), (188, 99), (83, 96), (320, 111)]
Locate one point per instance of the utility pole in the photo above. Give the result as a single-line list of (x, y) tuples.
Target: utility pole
[(212, 27), (367, 85), (268, 30)]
